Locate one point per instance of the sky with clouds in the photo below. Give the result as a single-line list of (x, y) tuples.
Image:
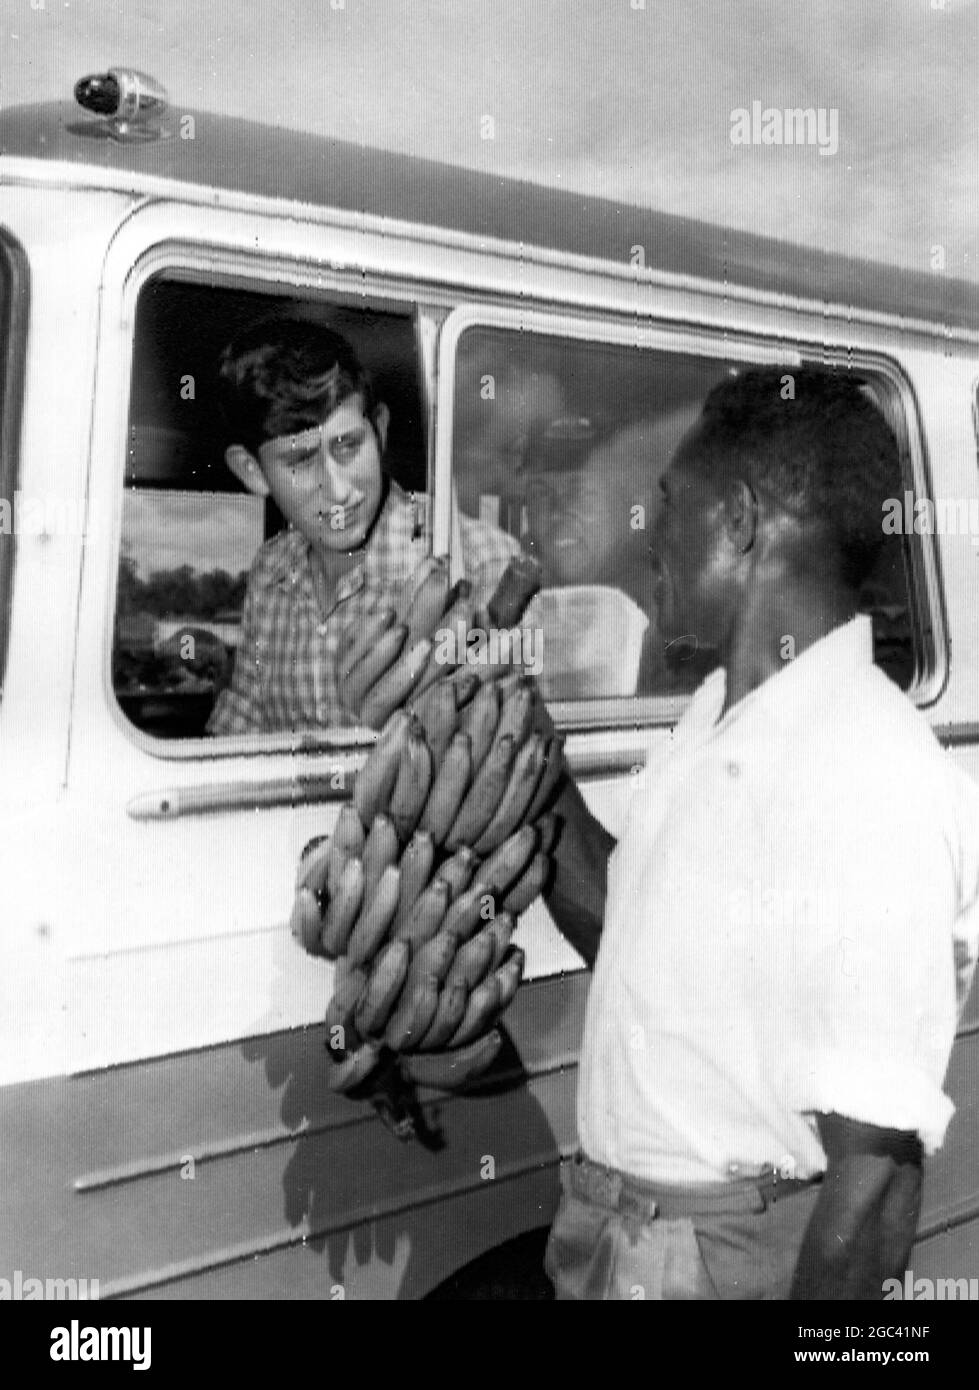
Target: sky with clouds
[(630, 99), (163, 530)]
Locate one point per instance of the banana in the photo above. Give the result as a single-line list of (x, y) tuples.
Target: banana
[(426, 916), (472, 962), (509, 975), (459, 612), (349, 831), (414, 582), (413, 1015), (461, 591), (362, 634), (448, 1016), (341, 1037), (429, 601), (479, 720), (481, 1011), (517, 708), (380, 851), (547, 831), (413, 783), (458, 871), (528, 766), (345, 1075), (306, 923), (448, 789), (526, 889), (375, 780), (464, 686), (451, 1071), (465, 915), (436, 711), (434, 957), (394, 687), (346, 843), (416, 868), (317, 843), (384, 985), (484, 796), (505, 866), (554, 767), (342, 909), (358, 680), (518, 584), (311, 871), (499, 931), (375, 918)]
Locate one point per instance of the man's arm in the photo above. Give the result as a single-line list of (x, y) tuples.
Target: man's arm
[(575, 895), (864, 1223)]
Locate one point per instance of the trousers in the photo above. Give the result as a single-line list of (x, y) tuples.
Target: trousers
[(619, 1237)]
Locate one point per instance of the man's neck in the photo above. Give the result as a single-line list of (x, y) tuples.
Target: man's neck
[(776, 628), (328, 568)]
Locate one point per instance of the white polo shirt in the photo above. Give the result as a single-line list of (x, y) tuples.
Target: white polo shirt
[(791, 927)]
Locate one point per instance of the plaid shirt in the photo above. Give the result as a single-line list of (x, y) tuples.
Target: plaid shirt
[(285, 674)]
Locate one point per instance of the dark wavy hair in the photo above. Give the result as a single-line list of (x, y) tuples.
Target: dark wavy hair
[(282, 376), (820, 448)]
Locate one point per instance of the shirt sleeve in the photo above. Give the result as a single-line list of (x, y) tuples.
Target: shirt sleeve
[(878, 1011), (239, 707)]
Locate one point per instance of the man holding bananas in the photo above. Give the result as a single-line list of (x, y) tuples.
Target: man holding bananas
[(756, 1091)]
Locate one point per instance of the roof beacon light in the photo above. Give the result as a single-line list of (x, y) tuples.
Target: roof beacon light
[(133, 103)]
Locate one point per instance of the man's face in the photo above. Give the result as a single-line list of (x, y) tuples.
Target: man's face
[(692, 567), (326, 481), (572, 526), (490, 436), (580, 519)]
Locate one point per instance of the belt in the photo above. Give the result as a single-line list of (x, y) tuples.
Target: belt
[(642, 1200)]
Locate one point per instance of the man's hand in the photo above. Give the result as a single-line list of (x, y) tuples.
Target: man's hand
[(864, 1223)]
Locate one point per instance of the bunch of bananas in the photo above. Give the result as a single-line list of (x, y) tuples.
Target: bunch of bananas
[(390, 655), (444, 844)]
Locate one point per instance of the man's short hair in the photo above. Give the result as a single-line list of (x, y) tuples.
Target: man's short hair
[(820, 448), (282, 376)]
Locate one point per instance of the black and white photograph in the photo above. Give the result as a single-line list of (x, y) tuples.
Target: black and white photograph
[(489, 633)]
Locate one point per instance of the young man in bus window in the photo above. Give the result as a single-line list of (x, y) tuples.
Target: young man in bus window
[(307, 431)]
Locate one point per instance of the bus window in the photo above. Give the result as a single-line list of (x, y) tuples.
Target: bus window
[(191, 531), (562, 442)]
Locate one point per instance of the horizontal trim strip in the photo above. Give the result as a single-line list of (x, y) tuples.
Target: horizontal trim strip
[(170, 804), (955, 735), (318, 788), (361, 1216), (314, 789), (959, 1215), (103, 1178)]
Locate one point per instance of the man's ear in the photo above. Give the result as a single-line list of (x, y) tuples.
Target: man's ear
[(246, 468), (381, 420), (740, 514)]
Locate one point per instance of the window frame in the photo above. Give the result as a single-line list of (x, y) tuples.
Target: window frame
[(926, 605), (223, 268)]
